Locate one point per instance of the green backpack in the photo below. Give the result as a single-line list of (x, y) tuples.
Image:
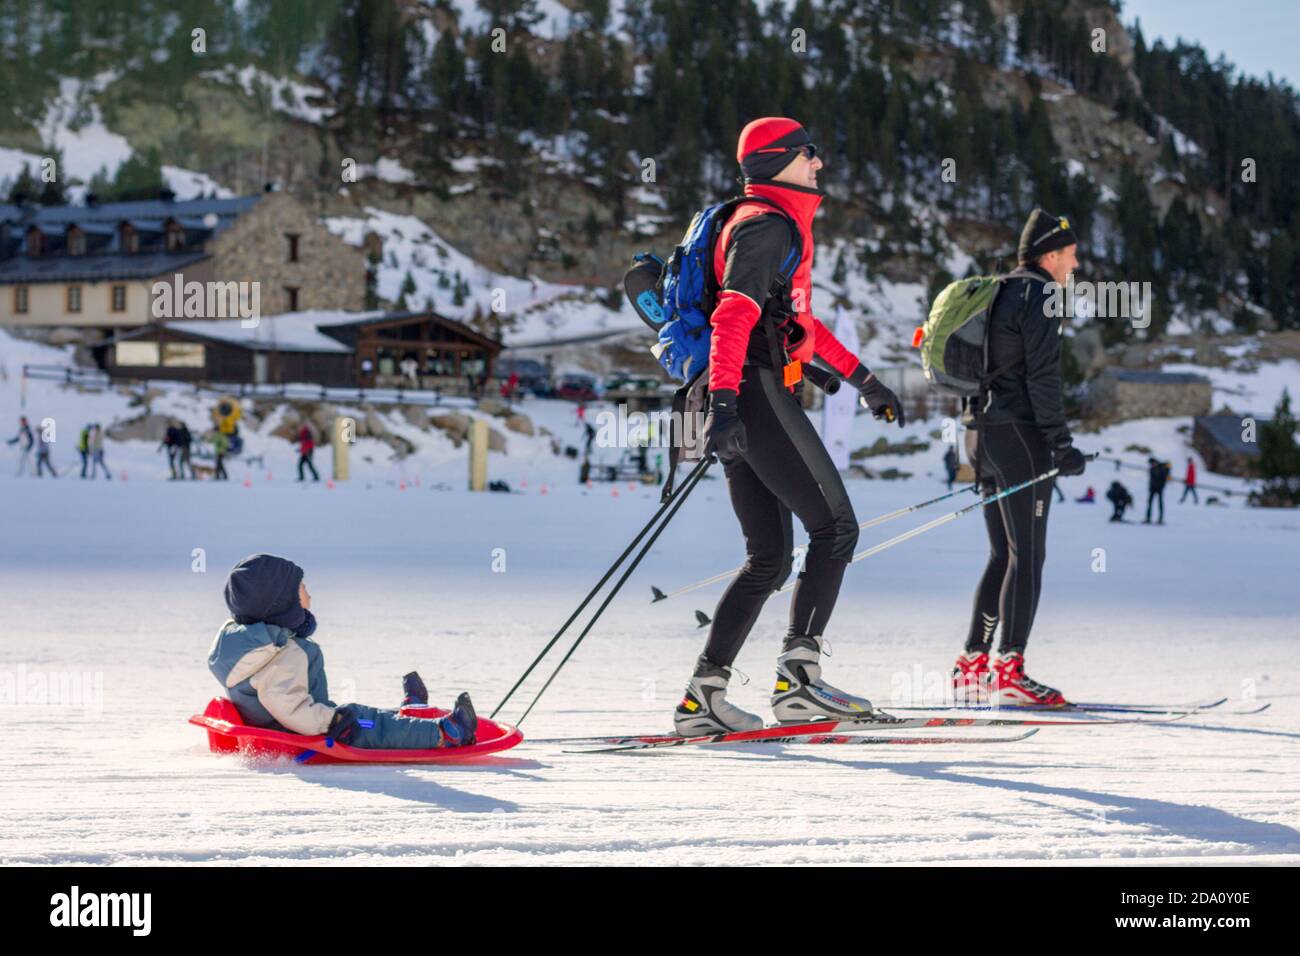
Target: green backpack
[(954, 339)]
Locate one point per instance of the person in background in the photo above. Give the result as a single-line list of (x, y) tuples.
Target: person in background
[(1157, 476), (1189, 484), (183, 442), (950, 464), (24, 441), (1120, 500), (510, 386), (171, 441), (220, 445), (83, 448), (411, 370), (1089, 497), (306, 447), (43, 455), (97, 452)]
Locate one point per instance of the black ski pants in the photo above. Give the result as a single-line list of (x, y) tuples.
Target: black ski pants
[(1017, 527), (785, 471)]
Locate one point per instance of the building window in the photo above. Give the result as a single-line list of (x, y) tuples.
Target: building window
[(74, 298), (119, 299), (135, 354), (291, 238), (291, 298), (20, 299), (130, 239), (35, 242), (183, 355), (76, 242), (175, 238)]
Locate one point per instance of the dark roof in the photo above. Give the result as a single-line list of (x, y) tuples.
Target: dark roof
[(1154, 378), (1225, 431), (202, 219), (90, 268), (225, 209)]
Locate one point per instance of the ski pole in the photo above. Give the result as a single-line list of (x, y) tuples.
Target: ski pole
[(944, 519), (677, 500), (677, 495), (870, 523)]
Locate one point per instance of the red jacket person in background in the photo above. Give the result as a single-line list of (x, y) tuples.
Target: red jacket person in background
[(775, 462)]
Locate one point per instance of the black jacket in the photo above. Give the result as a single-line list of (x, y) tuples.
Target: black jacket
[(1157, 475), (1023, 334)]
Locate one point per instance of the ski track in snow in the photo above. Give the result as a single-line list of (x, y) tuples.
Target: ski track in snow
[(97, 579)]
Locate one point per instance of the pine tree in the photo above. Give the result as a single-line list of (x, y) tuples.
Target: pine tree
[(407, 290), (24, 188), (1279, 458)]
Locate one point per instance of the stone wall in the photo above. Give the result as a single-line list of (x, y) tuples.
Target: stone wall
[(329, 274), (1116, 396)]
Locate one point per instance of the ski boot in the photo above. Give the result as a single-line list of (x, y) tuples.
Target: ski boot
[(460, 727), (414, 692), (801, 695), (1010, 687), (705, 709), (970, 678)]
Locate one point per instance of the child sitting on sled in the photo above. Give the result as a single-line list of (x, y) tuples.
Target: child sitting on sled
[(274, 672)]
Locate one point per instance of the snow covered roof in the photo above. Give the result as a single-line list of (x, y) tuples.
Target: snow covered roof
[(291, 332)]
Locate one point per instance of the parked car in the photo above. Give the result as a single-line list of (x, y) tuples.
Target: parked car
[(532, 375), (575, 387), (629, 383)]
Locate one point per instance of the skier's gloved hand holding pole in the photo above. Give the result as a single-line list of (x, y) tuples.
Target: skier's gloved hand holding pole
[(1069, 460), (877, 396), (724, 432)]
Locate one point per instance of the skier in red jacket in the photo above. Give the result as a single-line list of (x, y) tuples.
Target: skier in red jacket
[(775, 462), (1189, 484), (306, 446)]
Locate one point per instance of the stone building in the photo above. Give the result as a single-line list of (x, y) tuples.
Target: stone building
[(1119, 394), (1220, 441), (98, 266)]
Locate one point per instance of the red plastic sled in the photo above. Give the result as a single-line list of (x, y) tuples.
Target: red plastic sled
[(227, 733)]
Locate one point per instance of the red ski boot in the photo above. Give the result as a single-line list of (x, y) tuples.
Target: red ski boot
[(1010, 687), (970, 678)]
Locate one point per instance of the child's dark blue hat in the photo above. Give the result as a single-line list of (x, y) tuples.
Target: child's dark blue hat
[(264, 588)]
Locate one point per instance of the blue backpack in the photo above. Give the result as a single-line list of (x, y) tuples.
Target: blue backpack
[(677, 297)]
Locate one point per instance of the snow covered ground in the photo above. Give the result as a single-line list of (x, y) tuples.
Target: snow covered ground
[(110, 594), (103, 609)]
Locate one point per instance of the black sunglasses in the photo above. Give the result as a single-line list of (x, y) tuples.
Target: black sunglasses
[(809, 150)]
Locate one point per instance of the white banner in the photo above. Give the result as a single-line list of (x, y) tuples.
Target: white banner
[(839, 409)]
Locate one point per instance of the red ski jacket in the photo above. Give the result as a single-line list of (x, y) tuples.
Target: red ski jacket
[(749, 252)]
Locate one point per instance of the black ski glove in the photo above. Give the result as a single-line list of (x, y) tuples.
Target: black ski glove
[(877, 396), (724, 432), (1069, 460), (343, 726)]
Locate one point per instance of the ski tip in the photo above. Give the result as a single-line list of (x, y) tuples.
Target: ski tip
[(658, 595), (702, 619)]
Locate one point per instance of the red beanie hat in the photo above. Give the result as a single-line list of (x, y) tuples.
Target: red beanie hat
[(763, 149)]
